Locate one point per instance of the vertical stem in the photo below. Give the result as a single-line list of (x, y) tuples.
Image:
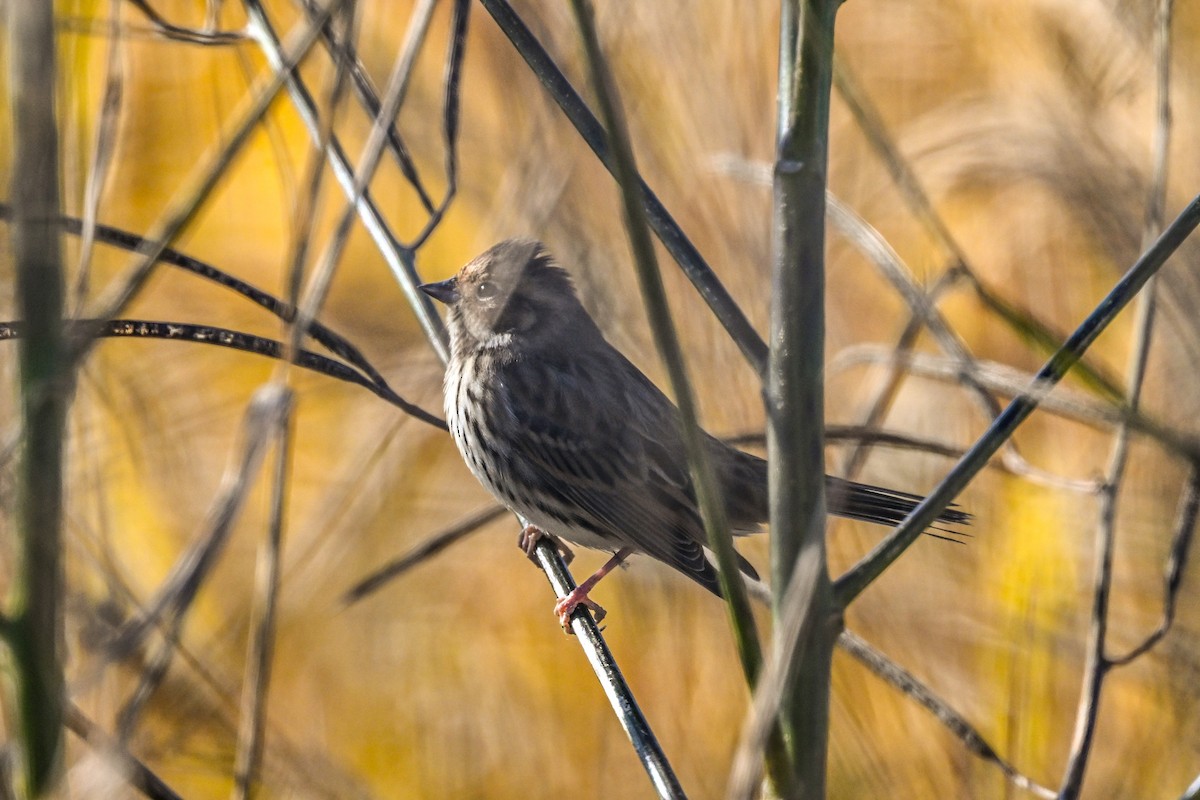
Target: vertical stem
[(795, 386), (1097, 664), (35, 628)]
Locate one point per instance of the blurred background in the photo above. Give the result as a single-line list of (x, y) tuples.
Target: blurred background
[(1030, 127)]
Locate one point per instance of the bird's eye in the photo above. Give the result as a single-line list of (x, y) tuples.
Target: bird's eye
[(485, 290)]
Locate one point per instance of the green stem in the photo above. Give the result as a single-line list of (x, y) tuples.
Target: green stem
[(795, 387), (654, 294), (35, 630)]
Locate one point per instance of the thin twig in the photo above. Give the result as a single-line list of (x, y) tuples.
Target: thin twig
[(169, 30), (342, 51), (335, 343), (850, 585), (629, 714), (456, 51), (794, 632), (870, 122), (1008, 380), (1097, 663), (102, 149), (923, 313), (952, 720), (707, 492), (243, 342), (259, 655), (180, 588), (203, 180), (1181, 542), (400, 260), (668, 231), (872, 435), (420, 554), (135, 771), (397, 89)]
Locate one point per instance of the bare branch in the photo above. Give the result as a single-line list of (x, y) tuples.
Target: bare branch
[(420, 554), (203, 180), (136, 772), (956, 723), (624, 705), (257, 675), (862, 574)]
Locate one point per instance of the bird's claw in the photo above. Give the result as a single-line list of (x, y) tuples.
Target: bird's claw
[(530, 536), (567, 605)]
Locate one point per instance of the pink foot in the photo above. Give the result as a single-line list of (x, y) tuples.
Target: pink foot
[(532, 534), (579, 595), (567, 605)]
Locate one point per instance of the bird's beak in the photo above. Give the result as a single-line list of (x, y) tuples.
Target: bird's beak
[(445, 291)]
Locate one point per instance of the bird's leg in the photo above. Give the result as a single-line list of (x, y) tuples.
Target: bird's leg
[(579, 595), (530, 536)]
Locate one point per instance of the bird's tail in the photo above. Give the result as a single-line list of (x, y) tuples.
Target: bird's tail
[(743, 477), (875, 504)]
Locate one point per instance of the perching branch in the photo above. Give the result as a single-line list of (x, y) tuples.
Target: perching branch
[(708, 496)]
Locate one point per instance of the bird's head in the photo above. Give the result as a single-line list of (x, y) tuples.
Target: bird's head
[(513, 293)]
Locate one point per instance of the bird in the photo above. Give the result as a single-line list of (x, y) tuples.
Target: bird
[(568, 433)]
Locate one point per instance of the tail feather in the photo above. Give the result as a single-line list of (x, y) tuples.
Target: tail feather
[(744, 479), (876, 504)]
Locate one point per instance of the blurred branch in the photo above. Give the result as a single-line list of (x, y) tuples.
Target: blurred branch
[(335, 343), (1097, 663), (889, 389), (259, 654), (400, 259), (102, 149), (397, 90), (1181, 543), (956, 723), (1023, 322), (727, 312), (453, 77), (34, 632), (343, 54), (420, 554), (203, 180), (794, 632), (243, 342), (862, 574), (624, 705), (924, 314), (169, 30), (179, 589), (707, 492), (857, 433), (1156, 198), (135, 771), (1010, 381)]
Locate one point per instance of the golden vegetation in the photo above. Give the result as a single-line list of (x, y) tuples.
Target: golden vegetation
[(1030, 126)]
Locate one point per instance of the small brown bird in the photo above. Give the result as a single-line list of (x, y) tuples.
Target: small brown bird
[(568, 433)]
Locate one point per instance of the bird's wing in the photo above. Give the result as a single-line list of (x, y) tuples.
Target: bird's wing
[(597, 437)]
